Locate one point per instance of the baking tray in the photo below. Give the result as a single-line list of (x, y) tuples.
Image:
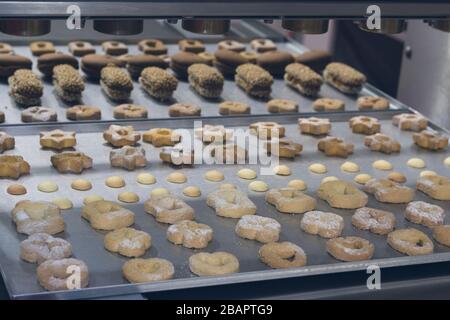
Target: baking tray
[(105, 268), (93, 95)]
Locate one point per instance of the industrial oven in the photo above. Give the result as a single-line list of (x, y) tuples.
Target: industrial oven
[(291, 25)]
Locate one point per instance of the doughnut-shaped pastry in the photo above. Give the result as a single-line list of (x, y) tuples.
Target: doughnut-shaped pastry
[(167, 208), (350, 248), (374, 220), (342, 194), (258, 228), (53, 274), (411, 242), (290, 200), (436, 187), (107, 215), (389, 191), (442, 234), (148, 270), (190, 234), (37, 217), (40, 247), (128, 242), (424, 213), (282, 255), (213, 264), (230, 203), (324, 224)]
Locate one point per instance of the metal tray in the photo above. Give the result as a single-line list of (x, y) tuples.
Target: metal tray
[(93, 95), (105, 268)]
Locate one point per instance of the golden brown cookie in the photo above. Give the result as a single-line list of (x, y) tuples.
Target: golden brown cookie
[(39, 48), (262, 229), (397, 177), (53, 275), (177, 156), (184, 110), (7, 142), (233, 107), (342, 194), (130, 111), (411, 242), (282, 255), (216, 263), (372, 103), (81, 185), (71, 162), (410, 121), (290, 200), (328, 104), (350, 248), (389, 191), (324, 224), (424, 213), (430, 140), (374, 220), (436, 187), (190, 234), (213, 133), (283, 148), (128, 157), (335, 147), (13, 167), (230, 203), (382, 143), (364, 125), (120, 136), (82, 112), (147, 270), (16, 189), (40, 247), (314, 126), (107, 215), (37, 217), (161, 137), (267, 130), (282, 106), (128, 242), (57, 139), (167, 208), (442, 234)]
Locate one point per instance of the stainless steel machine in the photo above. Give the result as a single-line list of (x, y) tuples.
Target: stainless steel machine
[(212, 21)]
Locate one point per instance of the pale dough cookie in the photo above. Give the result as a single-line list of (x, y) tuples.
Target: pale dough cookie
[(40, 247), (128, 242), (297, 184), (147, 270), (442, 234), (389, 191), (329, 178), (258, 228), (81, 185), (424, 213), (349, 166), (228, 186), (342, 194), (214, 176), (318, 168), (213, 264), (107, 215), (416, 163), (397, 177), (159, 192), (382, 165), (192, 191), (282, 170), (350, 248), (425, 173), (290, 200), (63, 203), (230, 203), (324, 224), (436, 187), (447, 161), (411, 242), (37, 217), (16, 189), (146, 178), (362, 178), (128, 197), (168, 209), (247, 174), (190, 234), (115, 182), (52, 274), (282, 255), (374, 220), (47, 186), (91, 198), (258, 186), (176, 177)]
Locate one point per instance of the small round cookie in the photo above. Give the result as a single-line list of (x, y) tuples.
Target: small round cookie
[(373, 220), (327, 104), (40, 247), (147, 270), (282, 106), (52, 274), (258, 186), (397, 177), (424, 213), (318, 168), (213, 264), (447, 161), (282, 170), (128, 242), (92, 198), (192, 191), (258, 228), (16, 189), (442, 234), (350, 167), (382, 165), (426, 173), (81, 185), (159, 192), (329, 178), (247, 174), (416, 163), (282, 255), (350, 248), (214, 176), (128, 197), (362, 178), (229, 186), (324, 224), (190, 234), (411, 242), (129, 111), (47, 186), (372, 103), (63, 203), (297, 184), (115, 182), (176, 177), (145, 178)]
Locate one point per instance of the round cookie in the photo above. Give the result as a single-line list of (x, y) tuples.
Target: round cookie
[(146, 178), (447, 161), (190, 234), (258, 228), (128, 197), (282, 170), (373, 220), (362, 178), (63, 203), (442, 234), (350, 248), (350, 167), (128, 242), (52, 274), (258, 186), (216, 263), (40, 247), (228, 186), (324, 224), (92, 198), (382, 165), (115, 182), (411, 242), (397, 177), (214, 176), (247, 174), (107, 215), (425, 173), (297, 184), (147, 270), (159, 192), (47, 186), (424, 213), (329, 178), (81, 185), (318, 168), (192, 191), (416, 163), (176, 177), (16, 189), (282, 255)]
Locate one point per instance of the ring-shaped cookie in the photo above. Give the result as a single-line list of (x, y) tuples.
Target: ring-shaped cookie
[(147, 270), (282, 255), (216, 263)]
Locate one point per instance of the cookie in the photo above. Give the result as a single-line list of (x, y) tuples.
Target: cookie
[(365, 103), (267, 130), (191, 45), (388, 191), (231, 45), (53, 275), (275, 62), (158, 192), (145, 178), (350, 248), (81, 185), (13, 167), (344, 78), (411, 242), (39, 48), (282, 170), (290, 200), (57, 139), (6, 48), (40, 247), (436, 187), (303, 79), (68, 83), (297, 184), (342, 194), (258, 186), (92, 64), (190, 234), (328, 104), (383, 165), (92, 198), (38, 114), (282, 255), (115, 182), (335, 147), (247, 174), (7, 142), (228, 153), (374, 220), (16, 189), (176, 177), (181, 61), (324, 224), (114, 48), (424, 213), (107, 215), (152, 46), (282, 106), (71, 162), (148, 270), (25, 87), (216, 263), (315, 59), (158, 83), (184, 110), (10, 63), (213, 133), (233, 107), (128, 157), (254, 80), (37, 217), (130, 111), (119, 136), (362, 178), (205, 80), (227, 61), (364, 125), (230, 203), (116, 83), (329, 178), (47, 62), (128, 242), (192, 192), (261, 229), (314, 126), (416, 163), (82, 112), (428, 173), (263, 45), (318, 168), (430, 140), (283, 148), (63, 203), (80, 48), (167, 208), (161, 137), (136, 63), (382, 143), (350, 167), (410, 122), (214, 176), (397, 177), (47, 186), (442, 234), (177, 156)]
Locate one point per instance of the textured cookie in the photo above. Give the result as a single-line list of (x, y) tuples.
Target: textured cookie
[(328, 104), (216, 263), (388, 191), (184, 110), (314, 126), (71, 162), (430, 140), (130, 111), (190, 234), (107, 215), (25, 87), (40, 247), (342, 194), (290, 200), (424, 213), (128, 242), (230, 203), (161, 137), (303, 79), (350, 248), (283, 148), (233, 107), (258, 228), (382, 143), (57, 139), (410, 121), (335, 147), (324, 224), (37, 217), (53, 274), (374, 220), (128, 157), (205, 80), (169, 209), (177, 156), (13, 166), (7, 142), (254, 80), (68, 83), (282, 106), (372, 103), (116, 83), (364, 125), (147, 270), (120, 136), (282, 255), (267, 129), (82, 112), (38, 114), (411, 242), (344, 78), (435, 186), (158, 83)]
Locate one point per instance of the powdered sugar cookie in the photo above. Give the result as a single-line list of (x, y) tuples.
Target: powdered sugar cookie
[(374, 220), (258, 228), (128, 242), (216, 263), (40, 247), (190, 234), (350, 248), (424, 213), (411, 242), (324, 224)]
